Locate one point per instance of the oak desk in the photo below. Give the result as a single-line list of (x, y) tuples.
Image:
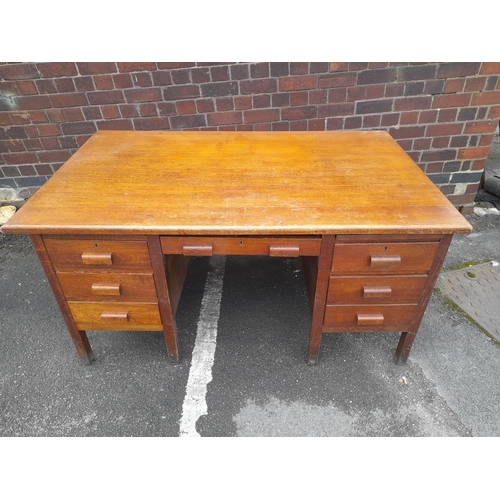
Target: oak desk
[(115, 226)]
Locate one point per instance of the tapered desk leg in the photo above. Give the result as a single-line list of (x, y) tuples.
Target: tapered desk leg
[(79, 337), (320, 293), (164, 297), (407, 338)]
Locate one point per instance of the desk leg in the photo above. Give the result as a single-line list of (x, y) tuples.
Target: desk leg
[(79, 337), (407, 338), (164, 297), (320, 293)]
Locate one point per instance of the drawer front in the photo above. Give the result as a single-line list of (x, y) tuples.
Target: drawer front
[(108, 287), (375, 289), (383, 258), (274, 247), (369, 318), (115, 316), (101, 255)]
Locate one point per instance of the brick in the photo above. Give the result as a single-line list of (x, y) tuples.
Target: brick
[(318, 67), (261, 101), (451, 100), (261, 115), (299, 98), (356, 93), (61, 155), (289, 83), (65, 85), (440, 142), (250, 127), (371, 121), (337, 80), (103, 82), (78, 128), (244, 102), (486, 98), (494, 112), (25, 71), (279, 69), (425, 72), (148, 109), (466, 177), (375, 91), (68, 142), (240, 72), (82, 139), (142, 79), (339, 109), (357, 66), (44, 130), (26, 87), (10, 89), (473, 140), (186, 107), (96, 68), (352, 122), (84, 83), (181, 76), (283, 126), (35, 144), (43, 169), (228, 128), (459, 141), (142, 95), (490, 68), (321, 96), (73, 114), (454, 85), (49, 143), (115, 125), (439, 155), (447, 115), (27, 170), (165, 108), (390, 119), (484, 127), (454, 69), (21, 157), (299, 125), (299, 68), (224, 118), (92, 113), (434, 87), (219, 73), (128, 67), (452, 166), (267, 126), (337, 66), (219, 89), (444, 129), (152, 123), (207, 105), (414, 88), (46, 87), (407, 132), (160, 78), (263, 86), (316, 124), (422, 143), (68, 100), (299, 113), (187, 121), (279, 100), (411, 103), (24, 182), (467, 114), (175, 65), (440, 178), (409, 118), (491, 84), (372, 76), (110, 112), (475, 84), (394, 89), (32, 102), (259, 70), (11, 172), (57, 69), (481, 113), (478, 165), (486, 140), (472, 153), (428, 116), (12, 133), (106, 97), (377, 106)]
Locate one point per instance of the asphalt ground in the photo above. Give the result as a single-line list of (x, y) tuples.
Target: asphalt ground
[(261, 385)]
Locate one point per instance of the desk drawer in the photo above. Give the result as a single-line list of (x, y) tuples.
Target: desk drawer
[(116, 316), (369, 318), (375, 289), (101, 255), (383, 258), (108, 287), (275, 247)]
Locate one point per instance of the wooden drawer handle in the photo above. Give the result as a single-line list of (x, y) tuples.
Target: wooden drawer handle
[(385, 261), (115, 317), (374, 292), (370, 319), (198, 250), (106, 289), (283, 250), (97, 259)]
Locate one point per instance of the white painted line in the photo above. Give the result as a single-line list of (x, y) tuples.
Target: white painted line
[(200, 372)]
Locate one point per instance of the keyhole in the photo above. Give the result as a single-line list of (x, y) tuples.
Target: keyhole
[(241, 243), (386, 248), (96, 245)]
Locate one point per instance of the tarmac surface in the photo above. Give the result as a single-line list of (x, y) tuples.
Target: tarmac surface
[(261, 385)]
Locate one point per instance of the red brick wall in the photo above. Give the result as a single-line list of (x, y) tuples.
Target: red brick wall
[(443, 114)]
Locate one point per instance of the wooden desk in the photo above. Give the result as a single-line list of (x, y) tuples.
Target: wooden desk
[(115, 226)]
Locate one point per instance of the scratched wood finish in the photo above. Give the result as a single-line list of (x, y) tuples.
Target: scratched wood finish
[(200, 182)]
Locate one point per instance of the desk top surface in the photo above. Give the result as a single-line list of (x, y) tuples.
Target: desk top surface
[(127, 182)]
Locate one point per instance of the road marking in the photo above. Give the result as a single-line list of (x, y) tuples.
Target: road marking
[(200, 372)]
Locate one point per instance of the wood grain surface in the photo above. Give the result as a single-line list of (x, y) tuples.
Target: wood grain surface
[(196, 183)]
